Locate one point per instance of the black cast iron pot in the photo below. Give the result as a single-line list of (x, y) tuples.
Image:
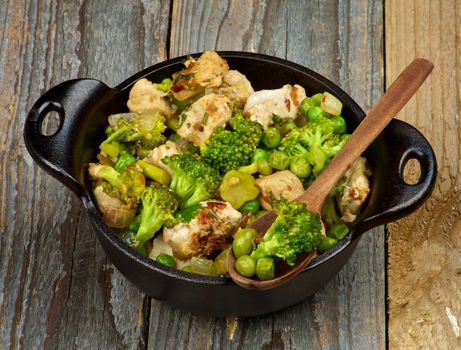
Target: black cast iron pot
[(83, 106)]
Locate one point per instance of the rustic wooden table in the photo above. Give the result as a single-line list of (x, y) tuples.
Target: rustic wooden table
[(57, 288)]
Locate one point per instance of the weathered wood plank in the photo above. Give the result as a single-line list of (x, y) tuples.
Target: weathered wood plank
[(57, 289), (345, 43), (425, 249)]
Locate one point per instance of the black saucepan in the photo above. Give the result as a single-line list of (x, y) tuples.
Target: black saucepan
[(83, 106)]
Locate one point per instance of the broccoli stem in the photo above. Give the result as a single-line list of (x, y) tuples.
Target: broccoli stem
[(249, 169), (153, 172), (111, 149), (111, 176), (149, 225)]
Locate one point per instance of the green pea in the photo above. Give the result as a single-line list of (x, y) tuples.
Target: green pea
[(187, 268), (264, 168), (288, 126), (250, 207), (279, 160), (165, 259), (265, 268), (339, 124), (245, 232), (305, 105), (246, 266), (337, 231), (300, 167), (243, 242), (271, 137), (258, 154), (123, 161), (317, 99), (315, 113), (326, 244)]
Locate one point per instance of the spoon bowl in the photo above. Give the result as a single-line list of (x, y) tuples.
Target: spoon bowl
[(392, 101)]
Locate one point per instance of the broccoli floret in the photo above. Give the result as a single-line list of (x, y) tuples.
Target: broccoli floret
[(322, 146), (158, 206), (291, 146), (127, 185), (192, 179), (230, 149), (294, 231), (316, 141), (144, 132)]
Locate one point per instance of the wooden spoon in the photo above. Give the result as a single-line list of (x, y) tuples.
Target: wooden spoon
[(393, 100)]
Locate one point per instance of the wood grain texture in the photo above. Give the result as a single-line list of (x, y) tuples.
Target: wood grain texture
[(57, 289), (425, 248), (345, 43)]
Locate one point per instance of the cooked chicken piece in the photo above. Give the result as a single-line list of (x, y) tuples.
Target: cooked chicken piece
[(284, 102), (203, 116), (115, 213), (355, 191), (159, 247), (144, 97), (155, 156), (280, 184), (205, 72), (206, 232), (237, 87), (93, 170)]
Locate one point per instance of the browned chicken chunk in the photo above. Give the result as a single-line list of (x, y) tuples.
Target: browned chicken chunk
[(280, 184), (115, 213), (205, 72), (206, 232), (145, 98), (283, 102), (355, 191), (203, 116), (155, 156), (236, 87)]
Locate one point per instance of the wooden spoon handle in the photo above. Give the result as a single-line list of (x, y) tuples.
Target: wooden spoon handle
[(393, 100)]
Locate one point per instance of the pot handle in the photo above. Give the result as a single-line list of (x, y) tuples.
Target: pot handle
[(400, 198), (56, 153)]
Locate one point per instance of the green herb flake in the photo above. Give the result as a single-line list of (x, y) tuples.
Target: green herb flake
[(205, 118), (276, 120)]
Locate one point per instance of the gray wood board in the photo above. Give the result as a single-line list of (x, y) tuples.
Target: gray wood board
[(57, 288)]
